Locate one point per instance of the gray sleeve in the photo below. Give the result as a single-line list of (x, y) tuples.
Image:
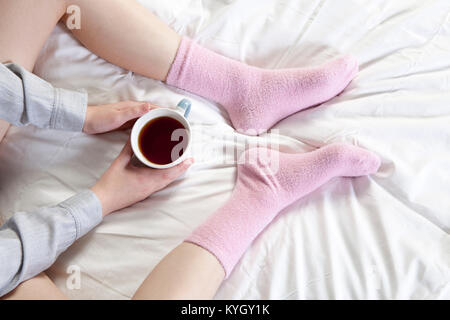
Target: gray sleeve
[(27, 99), (31, 241)]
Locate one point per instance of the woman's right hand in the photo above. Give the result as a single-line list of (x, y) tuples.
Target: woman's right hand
[(124, 184)]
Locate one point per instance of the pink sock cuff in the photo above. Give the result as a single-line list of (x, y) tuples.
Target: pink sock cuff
[(174, 77), (212, 246)]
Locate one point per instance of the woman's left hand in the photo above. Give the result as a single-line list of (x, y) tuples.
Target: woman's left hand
[(109, 117)]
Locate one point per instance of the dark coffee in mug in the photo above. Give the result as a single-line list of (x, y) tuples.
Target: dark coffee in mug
[(158, 143)]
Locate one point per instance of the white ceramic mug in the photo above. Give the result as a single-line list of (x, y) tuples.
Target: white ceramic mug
[(180, 114)]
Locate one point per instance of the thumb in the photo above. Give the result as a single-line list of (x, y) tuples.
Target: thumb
[(171, 174), (179, 169), (125, 155)]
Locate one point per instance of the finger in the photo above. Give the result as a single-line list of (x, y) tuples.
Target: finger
[(166, 175), (128, 125), (125, 155), (174, 172), (126, 104), (134, 112), (154, 106)]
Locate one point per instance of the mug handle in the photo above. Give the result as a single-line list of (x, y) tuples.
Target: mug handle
[(185, 104)]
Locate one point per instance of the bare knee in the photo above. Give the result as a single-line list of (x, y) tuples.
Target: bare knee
[(24, 28), (38, 288)]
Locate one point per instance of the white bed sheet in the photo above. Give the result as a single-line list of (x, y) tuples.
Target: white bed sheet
[(386, 236)]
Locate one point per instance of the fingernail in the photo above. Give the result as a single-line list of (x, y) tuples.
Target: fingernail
[(189, 161)]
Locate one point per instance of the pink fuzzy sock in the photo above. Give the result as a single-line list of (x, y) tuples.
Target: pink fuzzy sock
[(267, 182), (256, 98)]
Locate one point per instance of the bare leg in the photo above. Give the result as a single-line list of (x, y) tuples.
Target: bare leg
[(24, 27), (37, 288), (188, 272), (144, 44)]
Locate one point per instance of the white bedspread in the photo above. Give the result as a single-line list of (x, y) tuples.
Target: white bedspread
[(386, 236)]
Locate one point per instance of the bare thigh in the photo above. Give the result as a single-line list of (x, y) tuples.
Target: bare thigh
[(24, 27), (37, 288)]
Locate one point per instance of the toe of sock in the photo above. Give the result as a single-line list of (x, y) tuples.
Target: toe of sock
[(346, 66), (355, 161), (370, 163), (363, 162), (350, 66)]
